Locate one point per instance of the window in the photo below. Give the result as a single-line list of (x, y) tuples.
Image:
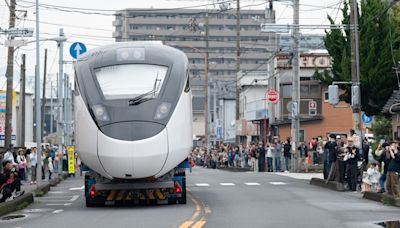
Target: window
[(302, 135), (326, 96), (187, 86), (130, 80)]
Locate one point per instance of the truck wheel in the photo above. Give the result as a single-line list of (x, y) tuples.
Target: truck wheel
[(89, 203)]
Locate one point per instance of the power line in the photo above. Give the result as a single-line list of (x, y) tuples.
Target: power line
[(112, 10)]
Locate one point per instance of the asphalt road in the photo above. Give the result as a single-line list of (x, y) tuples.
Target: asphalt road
[(216, 199)]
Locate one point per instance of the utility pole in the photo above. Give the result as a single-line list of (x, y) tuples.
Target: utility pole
[(270, 18), (65, 108), (355, 68), (22, 102), (51, 107), (295, 83), (37, 99), (9, 76), (44, 93), (215, 112), (59, 90), (237, 64), (206, 102)]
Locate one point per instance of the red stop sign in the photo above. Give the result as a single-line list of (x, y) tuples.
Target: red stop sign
[(272, 96)]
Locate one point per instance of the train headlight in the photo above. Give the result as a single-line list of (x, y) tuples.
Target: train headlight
[(162, 111), (100, 112)]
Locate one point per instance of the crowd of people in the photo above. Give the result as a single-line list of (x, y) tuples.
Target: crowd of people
[(344, 158), (274, 157), (19, 166)]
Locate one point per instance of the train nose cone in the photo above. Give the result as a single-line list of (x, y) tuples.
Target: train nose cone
[(133, 159)]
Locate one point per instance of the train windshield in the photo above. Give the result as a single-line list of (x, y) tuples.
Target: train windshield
[(130, 80)]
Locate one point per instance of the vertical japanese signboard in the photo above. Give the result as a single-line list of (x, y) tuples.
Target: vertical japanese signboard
[(3, 116), (71, 160)]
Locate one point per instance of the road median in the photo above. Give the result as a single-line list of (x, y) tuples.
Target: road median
[(332, 185), (383, 198)]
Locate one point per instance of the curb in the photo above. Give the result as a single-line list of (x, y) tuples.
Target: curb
[(235, 169), (332, 185), (16, 204), (382, 198), (28, 198)]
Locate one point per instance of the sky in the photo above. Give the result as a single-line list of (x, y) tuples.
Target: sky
[(96, 29)]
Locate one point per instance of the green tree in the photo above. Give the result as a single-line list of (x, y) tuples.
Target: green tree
[(382, 129), (376, 37)]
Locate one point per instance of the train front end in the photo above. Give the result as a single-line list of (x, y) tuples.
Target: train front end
[(133, 110)]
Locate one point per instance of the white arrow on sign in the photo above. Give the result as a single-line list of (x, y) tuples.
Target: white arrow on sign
[(78, 49)]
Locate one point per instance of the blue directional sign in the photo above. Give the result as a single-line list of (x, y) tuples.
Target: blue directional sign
[(366, 119), (77, 49)]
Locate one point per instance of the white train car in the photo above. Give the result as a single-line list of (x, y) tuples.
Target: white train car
[(133, 114)]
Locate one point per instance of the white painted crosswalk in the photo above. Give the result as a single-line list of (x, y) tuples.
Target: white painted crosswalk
[(252, 183), (202, 185), (277, 183)]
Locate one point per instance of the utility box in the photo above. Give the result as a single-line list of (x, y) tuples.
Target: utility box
[(333, 94), (355, 96)]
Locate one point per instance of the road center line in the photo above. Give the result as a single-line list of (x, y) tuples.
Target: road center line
[(186, 224), (199, 224), (227, 184), (202, 185), (58, 211)]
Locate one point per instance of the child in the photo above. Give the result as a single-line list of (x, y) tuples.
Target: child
[(373, 176)]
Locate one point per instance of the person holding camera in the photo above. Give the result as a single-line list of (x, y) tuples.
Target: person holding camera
[(9, 181), (383, 154), (351, 158), (392, 179)]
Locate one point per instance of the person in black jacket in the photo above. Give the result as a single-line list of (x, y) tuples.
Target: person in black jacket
[(330, 154), (9, 182), (365, 154), (286, 153), (392, 180), (351, 158), (261, 158), (383, 153)]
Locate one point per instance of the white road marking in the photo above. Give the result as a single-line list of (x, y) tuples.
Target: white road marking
[(227, 184), (252, 184), (57, 192), (277, 183), (77, 188), (202, 185), (75, 197), (58, 199), (58, 211), (59, 204)]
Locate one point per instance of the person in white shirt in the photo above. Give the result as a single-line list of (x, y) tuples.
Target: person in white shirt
[(8, 156), (373, 176), (33, 158)]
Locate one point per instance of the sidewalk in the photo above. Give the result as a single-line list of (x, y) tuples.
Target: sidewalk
[(300, 176), (27, 198)]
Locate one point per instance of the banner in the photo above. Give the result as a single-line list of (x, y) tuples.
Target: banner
[(3, 116), (71, 160)]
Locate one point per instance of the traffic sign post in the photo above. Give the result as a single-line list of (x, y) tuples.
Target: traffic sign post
[(366, 119), (272, 96), (77, 49)]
